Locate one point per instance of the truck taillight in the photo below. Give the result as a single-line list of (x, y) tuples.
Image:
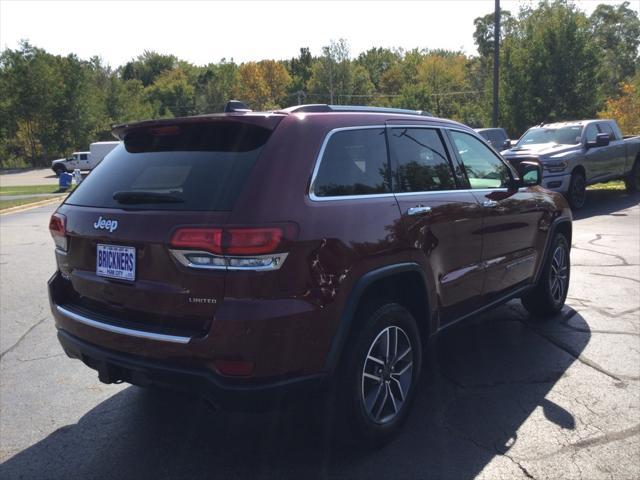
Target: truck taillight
[(58, 229)]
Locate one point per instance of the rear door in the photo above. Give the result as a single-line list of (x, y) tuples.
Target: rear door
[(510, 216), (440, 222), (121, 219), (615, 158), (84, 161)]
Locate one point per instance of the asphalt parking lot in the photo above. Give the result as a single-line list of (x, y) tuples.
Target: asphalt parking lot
[(37, 176), (503, 396)]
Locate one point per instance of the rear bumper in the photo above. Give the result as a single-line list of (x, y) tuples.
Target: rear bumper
[(114, 367)]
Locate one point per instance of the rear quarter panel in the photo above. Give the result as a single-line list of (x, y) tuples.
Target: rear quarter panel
[(338, 240)]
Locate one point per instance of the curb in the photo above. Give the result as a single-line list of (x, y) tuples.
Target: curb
[(29, 206)]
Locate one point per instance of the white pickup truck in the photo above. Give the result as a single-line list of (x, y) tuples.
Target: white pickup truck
[(84, 160), (580, 153)]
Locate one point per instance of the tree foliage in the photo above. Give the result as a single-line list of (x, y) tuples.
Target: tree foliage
[(626, 108), (555, 64)]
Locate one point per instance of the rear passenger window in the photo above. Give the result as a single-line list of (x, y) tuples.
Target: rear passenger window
[(354, 162), (422, 160)]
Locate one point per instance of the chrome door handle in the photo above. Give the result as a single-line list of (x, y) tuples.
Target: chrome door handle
[(419, 210), (489, 203)]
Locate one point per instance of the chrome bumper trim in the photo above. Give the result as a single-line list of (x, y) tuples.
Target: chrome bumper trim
[(161, 337)]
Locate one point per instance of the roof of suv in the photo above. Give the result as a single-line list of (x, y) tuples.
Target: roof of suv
[(274, 117)]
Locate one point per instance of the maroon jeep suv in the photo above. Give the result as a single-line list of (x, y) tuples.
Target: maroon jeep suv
[(250, 257)]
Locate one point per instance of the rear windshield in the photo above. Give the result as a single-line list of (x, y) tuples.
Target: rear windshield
[(180, 167)]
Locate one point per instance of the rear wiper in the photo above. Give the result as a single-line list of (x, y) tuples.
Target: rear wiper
[(146, 197)]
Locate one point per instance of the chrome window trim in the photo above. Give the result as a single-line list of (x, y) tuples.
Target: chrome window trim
[(505, 162), (181, 256), (313, 197), (316, 168), (161, 337)]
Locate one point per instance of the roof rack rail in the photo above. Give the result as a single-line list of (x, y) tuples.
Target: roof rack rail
[(321, 107)]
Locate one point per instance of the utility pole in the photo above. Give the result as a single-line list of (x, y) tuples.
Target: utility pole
[(496, 62)]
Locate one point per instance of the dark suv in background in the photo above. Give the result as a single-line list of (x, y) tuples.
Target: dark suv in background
[(252, 256), (496, 137)]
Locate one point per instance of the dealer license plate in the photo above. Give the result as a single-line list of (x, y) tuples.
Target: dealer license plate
[(116, 261)]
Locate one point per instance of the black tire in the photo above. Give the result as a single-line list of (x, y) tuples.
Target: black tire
[(577, 194), (549, 295), (373, 424), (632, 181), (58, 169)]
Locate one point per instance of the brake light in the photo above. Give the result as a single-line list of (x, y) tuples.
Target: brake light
[(233, 241), (164, 131), (58, 229), (251, 241), (208, 239), (236, 248)]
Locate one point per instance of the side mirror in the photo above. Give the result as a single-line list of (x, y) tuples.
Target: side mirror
[(507, 144), (602, 140), (530, 174)]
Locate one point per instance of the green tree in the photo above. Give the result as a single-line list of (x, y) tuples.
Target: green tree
[(549, 67), (31, 84), (332, 74), (300, 71), (215, 85), (148, 67), (483, 33), (172, 94), (616, 33), (377, 61)]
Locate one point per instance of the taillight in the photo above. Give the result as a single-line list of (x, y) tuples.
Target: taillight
[(234, 248), (207, 239), (251, 241), (58, 229)]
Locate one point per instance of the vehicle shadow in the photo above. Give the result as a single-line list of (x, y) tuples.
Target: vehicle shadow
[(481, 382), (606, 202)]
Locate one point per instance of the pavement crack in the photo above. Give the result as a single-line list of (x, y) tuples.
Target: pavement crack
[(616, 276), (623, 261), (45, 357), (581, 358), (593, 442), (22, 337), (519, 465), (599, 237)]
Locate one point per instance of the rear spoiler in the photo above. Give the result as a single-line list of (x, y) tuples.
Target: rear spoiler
[(266, 120)]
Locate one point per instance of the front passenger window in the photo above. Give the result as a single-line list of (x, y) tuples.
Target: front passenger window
[(591, 133), (483, 168)]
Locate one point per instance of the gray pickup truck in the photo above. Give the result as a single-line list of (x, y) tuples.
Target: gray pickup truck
[(580, 153)]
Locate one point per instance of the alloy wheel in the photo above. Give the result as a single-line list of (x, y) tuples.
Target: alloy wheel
[(387, 375), (559, 274)]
